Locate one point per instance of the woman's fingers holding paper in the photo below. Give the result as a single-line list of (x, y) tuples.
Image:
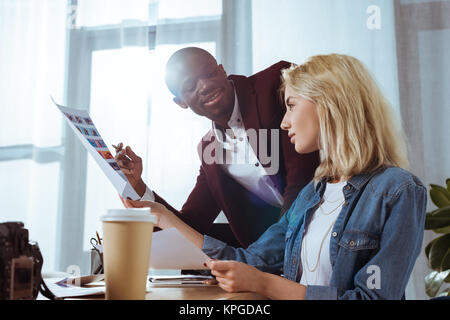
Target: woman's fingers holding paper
[(143, 204), (164, 216)]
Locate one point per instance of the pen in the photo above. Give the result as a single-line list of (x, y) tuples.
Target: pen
[(98, 238), (119, 150)]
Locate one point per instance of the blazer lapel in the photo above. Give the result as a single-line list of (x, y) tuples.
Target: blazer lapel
[(246, 95), (248, 106)]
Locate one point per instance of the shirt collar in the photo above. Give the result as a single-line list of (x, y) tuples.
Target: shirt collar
[(357, 181), (360, 180), (235, 118)]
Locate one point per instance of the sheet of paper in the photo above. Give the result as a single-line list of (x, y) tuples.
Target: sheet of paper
[(84, 128), (81, 281), (63, 290), (171, 250)]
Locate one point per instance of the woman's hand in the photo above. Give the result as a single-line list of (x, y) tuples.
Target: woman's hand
[(234, 276), (165, 217)]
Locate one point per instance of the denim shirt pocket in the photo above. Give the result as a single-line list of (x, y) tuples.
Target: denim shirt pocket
[(356, 240)]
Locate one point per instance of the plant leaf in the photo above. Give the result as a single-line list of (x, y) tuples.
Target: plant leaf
[(445, 264), (442, 230), (439, 198), (447, 279), (444, 293), (428, 247), (439, 218), (447, 182), (441, 211), (442, 189), (437, 252), (433, 282)]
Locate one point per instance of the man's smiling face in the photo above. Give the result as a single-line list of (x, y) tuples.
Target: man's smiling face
[(202, 85)]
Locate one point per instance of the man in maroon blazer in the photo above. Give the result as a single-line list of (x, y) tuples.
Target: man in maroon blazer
[(253, 194)]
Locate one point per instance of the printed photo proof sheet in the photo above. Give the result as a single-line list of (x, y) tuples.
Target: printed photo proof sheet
[(84, 128)]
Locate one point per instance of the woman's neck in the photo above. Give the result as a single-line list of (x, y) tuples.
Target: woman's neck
[(338, 179)]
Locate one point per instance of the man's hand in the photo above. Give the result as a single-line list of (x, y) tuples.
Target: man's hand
[(131, 166), (234, 276), (165, 217)]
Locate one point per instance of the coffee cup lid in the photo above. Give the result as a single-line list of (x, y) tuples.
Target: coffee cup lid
[(131, 214)]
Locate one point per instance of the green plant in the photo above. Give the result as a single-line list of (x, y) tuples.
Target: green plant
[(438, 250)]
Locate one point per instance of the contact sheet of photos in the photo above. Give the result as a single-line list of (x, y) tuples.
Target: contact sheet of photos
[(83, 126), (86, 127)]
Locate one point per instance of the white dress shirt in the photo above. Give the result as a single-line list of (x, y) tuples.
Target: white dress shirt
[(241, 163), (319, 231)]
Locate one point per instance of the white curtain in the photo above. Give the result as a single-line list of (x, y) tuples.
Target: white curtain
[(423, 37), (32, 51)]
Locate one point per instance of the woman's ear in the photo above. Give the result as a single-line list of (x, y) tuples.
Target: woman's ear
[(180, 102)]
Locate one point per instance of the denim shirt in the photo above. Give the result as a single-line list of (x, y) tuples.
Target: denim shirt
[(374, 243)]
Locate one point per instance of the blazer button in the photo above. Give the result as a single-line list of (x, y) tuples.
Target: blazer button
[(351, 243), (334, 234), (257, 164), (346, 203), (294, 262), (347, 187)]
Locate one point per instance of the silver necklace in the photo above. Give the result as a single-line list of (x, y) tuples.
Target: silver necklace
[(305, 252), (332, 201), (328, 213)]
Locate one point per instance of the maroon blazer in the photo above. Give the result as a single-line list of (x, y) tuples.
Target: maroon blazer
[(249, 216)]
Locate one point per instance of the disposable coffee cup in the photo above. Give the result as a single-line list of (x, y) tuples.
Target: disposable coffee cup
[(127, 237)]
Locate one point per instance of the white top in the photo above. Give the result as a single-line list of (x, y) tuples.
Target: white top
[(241, 163), (318, 232)]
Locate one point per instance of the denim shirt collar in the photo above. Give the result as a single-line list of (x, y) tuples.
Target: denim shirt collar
[(357, 181)]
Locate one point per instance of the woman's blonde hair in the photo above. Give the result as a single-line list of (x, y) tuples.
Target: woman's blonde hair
[(358, 129)]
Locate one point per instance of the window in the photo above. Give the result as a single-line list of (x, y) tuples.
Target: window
[(90, 54), (107, 75)]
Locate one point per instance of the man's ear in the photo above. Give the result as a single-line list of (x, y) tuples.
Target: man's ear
[(222, 68), (180, 102)]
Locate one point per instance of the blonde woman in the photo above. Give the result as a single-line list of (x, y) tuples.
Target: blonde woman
[(355, 231)]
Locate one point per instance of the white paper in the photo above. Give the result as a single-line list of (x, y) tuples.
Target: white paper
[(81, 281), (63, 290), (171, 250), (84, 128)]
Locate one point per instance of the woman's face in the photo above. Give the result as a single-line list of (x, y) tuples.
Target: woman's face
[(301, 122)]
